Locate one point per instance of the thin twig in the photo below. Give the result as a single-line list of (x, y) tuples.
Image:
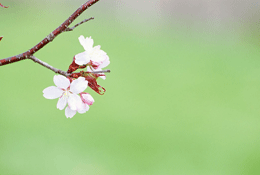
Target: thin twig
[(50, 37), (58, 71), (72, 28), (101, 71)]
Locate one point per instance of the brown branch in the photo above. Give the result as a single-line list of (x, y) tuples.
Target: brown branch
[(50, 37), (72, 28), (58, 71)]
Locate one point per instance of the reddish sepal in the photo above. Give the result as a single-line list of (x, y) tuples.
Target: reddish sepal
[(73, 66), (1, 38), (82, 67), (75, 75), (92, 82)]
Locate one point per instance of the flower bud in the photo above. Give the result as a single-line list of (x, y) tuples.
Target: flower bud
[(87, 98)]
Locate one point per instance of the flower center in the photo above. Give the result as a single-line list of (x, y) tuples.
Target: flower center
[(66, 93)]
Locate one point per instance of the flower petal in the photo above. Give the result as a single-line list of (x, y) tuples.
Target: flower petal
[(103, 76), (105, 63), (86, 43), (79, 85), (99, 59), (75, 102), (84, 110), (69, 112), (52, 92), (98, 55), (82, 58), (62, 103), (87, 98), (61, 81)]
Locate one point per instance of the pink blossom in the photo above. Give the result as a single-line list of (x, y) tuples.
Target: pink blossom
[(67, 92), (94, 57), (87, 100), (70, 113)]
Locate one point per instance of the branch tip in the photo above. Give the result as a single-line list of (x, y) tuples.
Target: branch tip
[(102, 71)]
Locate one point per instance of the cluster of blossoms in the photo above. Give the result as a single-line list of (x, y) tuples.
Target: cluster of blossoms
[(70, 89)]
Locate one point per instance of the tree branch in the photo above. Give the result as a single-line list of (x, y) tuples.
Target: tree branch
[(58, 71), (72, 28), (50, 37)]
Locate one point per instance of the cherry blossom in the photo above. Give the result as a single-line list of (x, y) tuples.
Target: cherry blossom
[(87, 100), (69, 85), (71, 92), (70, 113), (93, 56), (67, 92)]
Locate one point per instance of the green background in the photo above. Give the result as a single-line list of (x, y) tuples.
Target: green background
[(182, 97)]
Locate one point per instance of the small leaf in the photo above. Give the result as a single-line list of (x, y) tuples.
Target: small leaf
[(3, 6)]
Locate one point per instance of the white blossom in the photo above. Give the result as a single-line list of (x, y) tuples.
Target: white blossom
[(67, 92), (87, 100), (93, 56)]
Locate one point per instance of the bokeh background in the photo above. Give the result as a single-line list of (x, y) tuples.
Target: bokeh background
[(182, 97)]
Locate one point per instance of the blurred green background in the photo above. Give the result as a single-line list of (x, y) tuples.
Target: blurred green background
[(182, 97)]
